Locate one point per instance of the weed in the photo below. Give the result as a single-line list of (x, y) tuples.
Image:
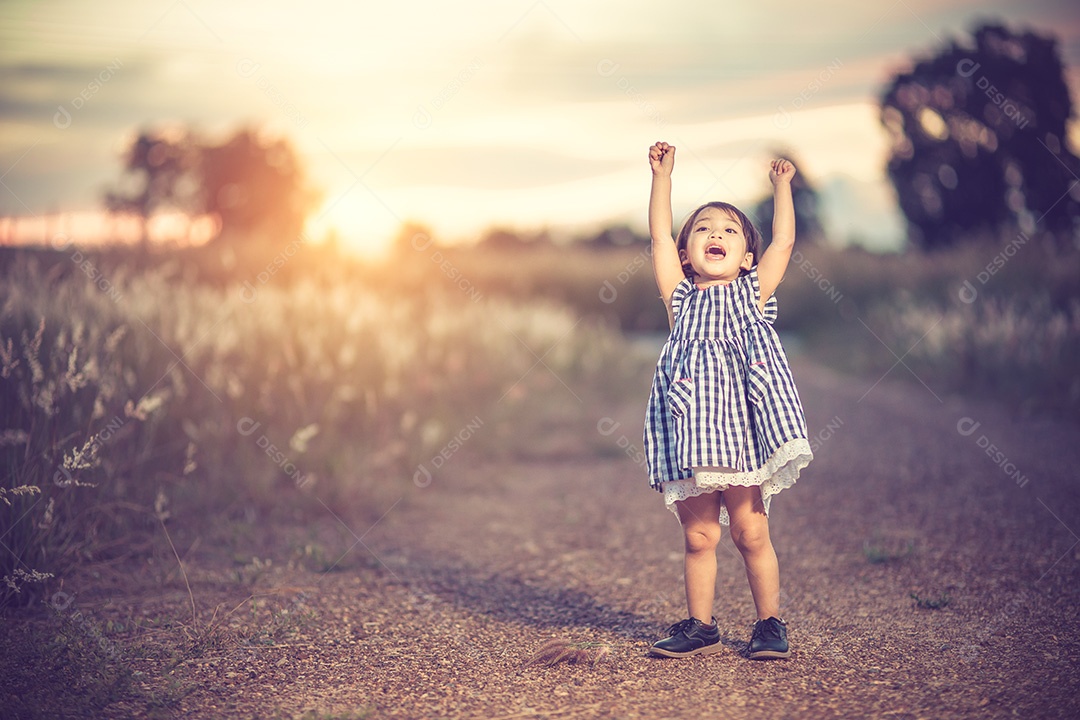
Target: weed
[(315, 558), (90, 672), (558, 651), (252, 571), (928, 603), (877, 553), (360, 714)]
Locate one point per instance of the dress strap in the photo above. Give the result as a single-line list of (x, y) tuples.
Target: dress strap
[(679, 295), (770, 311)]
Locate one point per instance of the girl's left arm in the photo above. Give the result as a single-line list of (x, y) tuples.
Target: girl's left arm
[(774, 260)]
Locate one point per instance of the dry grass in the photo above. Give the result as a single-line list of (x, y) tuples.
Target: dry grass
[(120, 385), (1012, 337), (996, 314), (312, 393), (554, 652), (158, 406)]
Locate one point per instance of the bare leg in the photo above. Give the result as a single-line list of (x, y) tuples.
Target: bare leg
[(700, 518), (750, 532)]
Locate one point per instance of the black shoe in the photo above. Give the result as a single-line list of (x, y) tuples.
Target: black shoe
[(689, 637), (769, 640)]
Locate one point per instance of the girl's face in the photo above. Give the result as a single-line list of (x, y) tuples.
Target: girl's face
[(716, 248)]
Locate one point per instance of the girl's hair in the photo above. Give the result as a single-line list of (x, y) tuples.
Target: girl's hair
[(753, 237)]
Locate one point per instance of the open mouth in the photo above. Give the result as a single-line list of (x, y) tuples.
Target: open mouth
[(715, 251)]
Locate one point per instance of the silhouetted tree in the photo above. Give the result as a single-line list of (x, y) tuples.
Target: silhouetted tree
[(412, 237), (978, 139), (804, 197), (502, 239), (159, 167), (254, 185), (614, 236)]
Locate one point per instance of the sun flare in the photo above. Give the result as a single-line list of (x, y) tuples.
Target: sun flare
[(357, 220)]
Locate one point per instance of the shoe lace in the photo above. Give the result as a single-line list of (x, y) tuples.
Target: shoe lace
[(680, 627), (766, 629)]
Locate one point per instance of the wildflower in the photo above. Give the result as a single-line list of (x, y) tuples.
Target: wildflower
[(85, 457), (113, 341), (49, 516), (189, 459), (18, 490), (20, 577), (31, 349), (146, 406), (300, 438), (13, 437), (159, 506), (8, 361), (73, 378)]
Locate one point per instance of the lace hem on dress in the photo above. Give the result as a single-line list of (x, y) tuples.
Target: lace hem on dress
[(778, 473)]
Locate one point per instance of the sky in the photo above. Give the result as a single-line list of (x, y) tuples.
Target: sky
[(521, 114)]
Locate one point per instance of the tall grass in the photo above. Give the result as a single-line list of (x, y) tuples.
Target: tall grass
[(615, 284), (995, 316), (1021, 350), (125, 388), (971, 320), (160, 389)]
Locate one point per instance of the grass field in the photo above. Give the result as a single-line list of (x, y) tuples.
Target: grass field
[(128, 380), (125, 392), (999, 317)]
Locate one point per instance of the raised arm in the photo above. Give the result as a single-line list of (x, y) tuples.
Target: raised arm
[(774, 260), (667, 267)]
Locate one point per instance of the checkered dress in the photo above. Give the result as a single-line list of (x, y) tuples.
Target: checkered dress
[(723, 398)]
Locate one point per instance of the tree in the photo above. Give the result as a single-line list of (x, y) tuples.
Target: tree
[(804, 197), (254, 185), (615, 236), (499, 238), (158, 167), (412, 237), (978, 136)]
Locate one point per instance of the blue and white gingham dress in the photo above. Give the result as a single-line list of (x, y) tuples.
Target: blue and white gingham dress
[(723, 398)]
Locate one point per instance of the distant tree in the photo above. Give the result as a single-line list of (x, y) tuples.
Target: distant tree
[(158, 175), (807, 205), (614, 236), (254, 185), (412, 237), (978, 139), (501, 239)]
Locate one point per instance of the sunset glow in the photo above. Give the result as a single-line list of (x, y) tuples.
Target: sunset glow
[(525, 115)]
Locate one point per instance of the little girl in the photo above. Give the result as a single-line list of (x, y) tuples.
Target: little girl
[(724, 430)]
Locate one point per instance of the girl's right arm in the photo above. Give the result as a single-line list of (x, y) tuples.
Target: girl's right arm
[(667, 267)]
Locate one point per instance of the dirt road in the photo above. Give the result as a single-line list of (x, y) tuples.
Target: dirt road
[(435, 608)]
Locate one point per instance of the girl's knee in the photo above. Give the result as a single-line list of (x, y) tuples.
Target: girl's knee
[(751, 537), (700, 519), (701, 537)]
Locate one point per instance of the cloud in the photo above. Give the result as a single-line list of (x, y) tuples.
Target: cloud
[(32, 91), (485, 167), (554, 98)]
